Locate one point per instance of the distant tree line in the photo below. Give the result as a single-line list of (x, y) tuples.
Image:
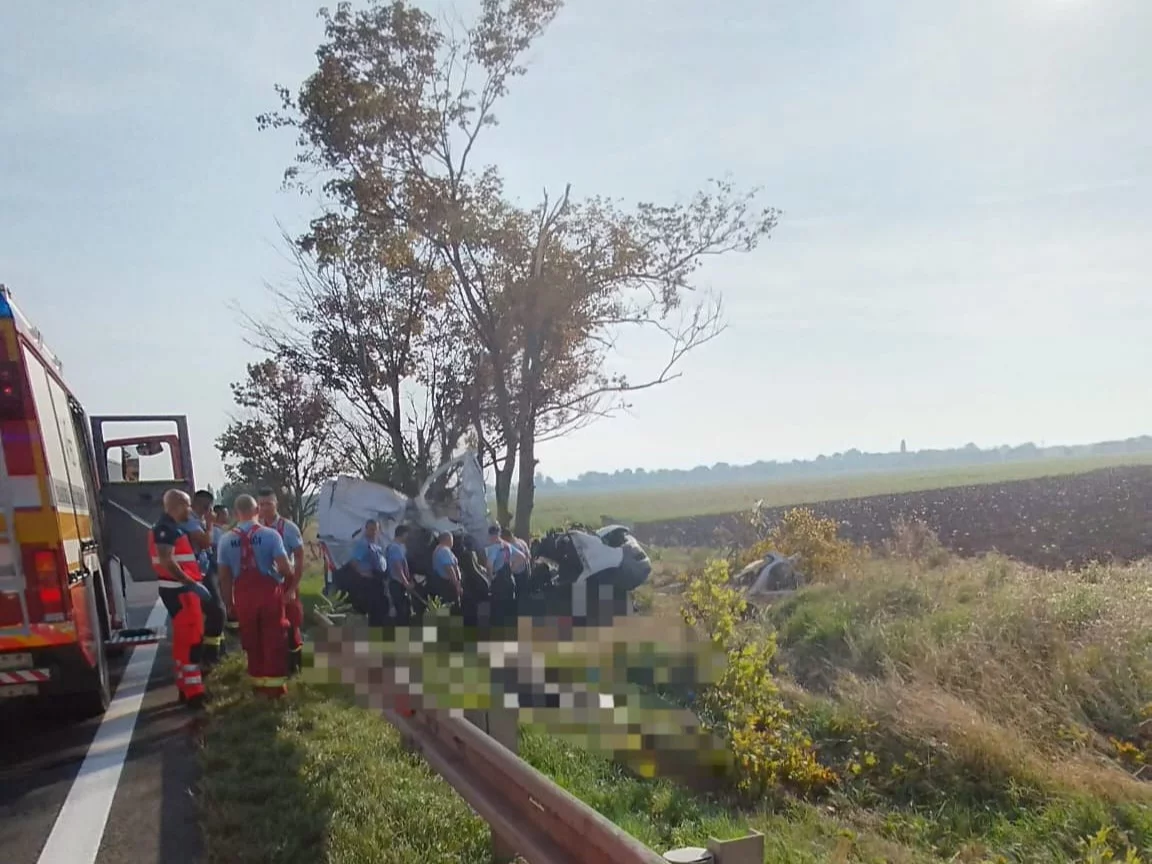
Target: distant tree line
[(850, 462)]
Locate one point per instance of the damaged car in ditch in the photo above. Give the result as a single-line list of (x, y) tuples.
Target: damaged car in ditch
[(588, 576)]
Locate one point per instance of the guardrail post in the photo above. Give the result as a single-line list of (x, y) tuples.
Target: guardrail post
[(502, 725)]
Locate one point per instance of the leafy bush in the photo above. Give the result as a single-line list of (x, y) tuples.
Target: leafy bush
[(744, 704), (801, 532)]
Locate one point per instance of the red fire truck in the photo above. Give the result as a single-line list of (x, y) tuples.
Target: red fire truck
[(75, 510)]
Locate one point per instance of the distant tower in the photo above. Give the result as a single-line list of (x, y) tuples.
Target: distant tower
[(903, 446)]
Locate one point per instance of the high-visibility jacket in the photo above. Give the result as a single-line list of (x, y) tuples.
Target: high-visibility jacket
[(182, 552)]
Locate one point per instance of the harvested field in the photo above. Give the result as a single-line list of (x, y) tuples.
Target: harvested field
[(1048, 522), (660, 504)]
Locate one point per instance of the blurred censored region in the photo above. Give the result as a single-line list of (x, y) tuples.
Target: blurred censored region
[(618, 690)]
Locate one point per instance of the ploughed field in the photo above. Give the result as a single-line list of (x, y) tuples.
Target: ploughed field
[(1046, 521)]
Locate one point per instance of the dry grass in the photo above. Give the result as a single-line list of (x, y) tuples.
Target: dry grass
[(1061, 656), (991, 694)]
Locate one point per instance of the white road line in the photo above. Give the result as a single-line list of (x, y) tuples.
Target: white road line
[(75, 838)]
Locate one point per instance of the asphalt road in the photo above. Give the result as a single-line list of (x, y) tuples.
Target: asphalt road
[(56, 779)]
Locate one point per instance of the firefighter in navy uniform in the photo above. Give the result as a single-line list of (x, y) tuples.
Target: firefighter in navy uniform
[(182, 591), (290, 533), (254, 568)]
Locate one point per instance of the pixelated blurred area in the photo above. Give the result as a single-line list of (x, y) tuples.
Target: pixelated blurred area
[(616, 690)]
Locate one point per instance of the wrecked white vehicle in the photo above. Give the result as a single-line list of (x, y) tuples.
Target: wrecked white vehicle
[(587, 576), (770, 578)]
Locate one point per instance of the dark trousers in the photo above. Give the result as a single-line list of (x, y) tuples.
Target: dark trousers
[(401, 603), (214, 616), (503, 594), (376, 599)]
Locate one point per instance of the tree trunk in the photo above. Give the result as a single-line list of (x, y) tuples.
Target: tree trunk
[(526, 487), (504, 474)]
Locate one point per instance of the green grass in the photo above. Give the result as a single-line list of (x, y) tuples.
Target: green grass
[(1007, 709), (314, 779), (311, 779), (676, 503)]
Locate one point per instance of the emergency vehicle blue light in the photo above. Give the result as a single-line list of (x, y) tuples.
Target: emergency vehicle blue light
[(5, 306)]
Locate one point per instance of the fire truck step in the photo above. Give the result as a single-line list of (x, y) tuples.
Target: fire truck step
[(137, 636)]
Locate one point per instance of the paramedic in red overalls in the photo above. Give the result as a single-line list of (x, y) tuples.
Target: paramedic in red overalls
[(254, 568), (289, 532), (182, 591)]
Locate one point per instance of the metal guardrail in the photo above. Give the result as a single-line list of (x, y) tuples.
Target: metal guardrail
[(530, 816)]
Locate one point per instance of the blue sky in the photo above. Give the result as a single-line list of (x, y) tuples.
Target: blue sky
[(965, 251)]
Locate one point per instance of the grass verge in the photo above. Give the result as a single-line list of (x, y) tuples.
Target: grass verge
[(984, 711), (311, 779), (315, 779)]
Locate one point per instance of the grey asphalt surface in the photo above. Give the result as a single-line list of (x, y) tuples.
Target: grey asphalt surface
[(152, 818)]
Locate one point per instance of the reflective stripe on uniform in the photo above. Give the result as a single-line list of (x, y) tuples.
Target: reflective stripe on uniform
[(179, 559), (212, 640)]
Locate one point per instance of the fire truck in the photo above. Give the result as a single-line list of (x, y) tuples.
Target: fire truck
[(76, 505)]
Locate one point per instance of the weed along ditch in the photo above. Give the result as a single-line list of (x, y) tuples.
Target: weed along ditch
[(899, 705)]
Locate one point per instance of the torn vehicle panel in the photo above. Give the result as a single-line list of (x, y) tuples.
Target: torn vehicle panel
[(346, 503)]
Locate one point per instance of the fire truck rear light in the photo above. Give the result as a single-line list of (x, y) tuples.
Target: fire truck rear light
[(44, 565), (11, 392)]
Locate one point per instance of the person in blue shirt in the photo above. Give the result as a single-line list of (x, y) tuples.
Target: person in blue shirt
[(521, 564), (293, 539), (367, 554), (499, 555), (198, 528), (255, 579), (368, 560), (446, 566), (502, 559), (399, 579), (221, 522)]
